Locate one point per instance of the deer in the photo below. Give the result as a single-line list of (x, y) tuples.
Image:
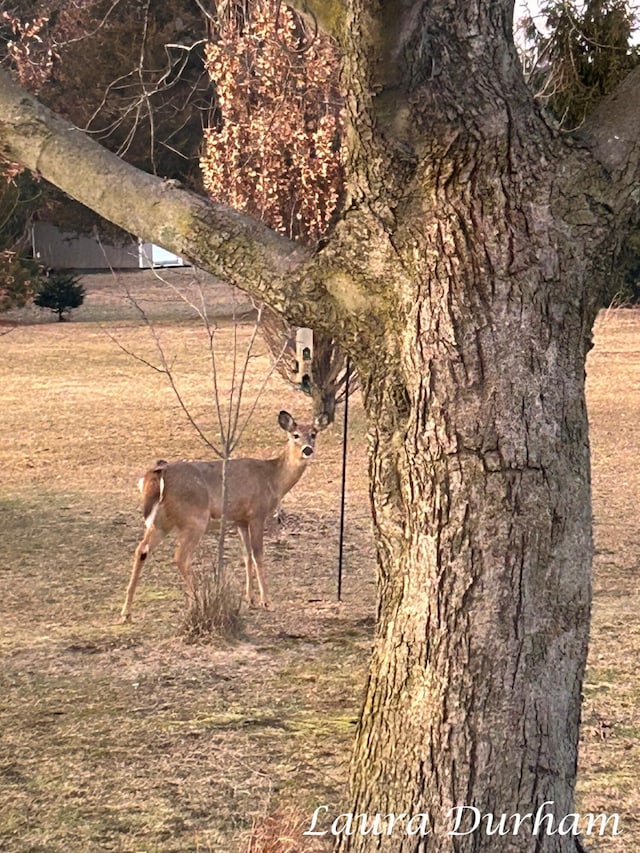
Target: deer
[(184, 497)]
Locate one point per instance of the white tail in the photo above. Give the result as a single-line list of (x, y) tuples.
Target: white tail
[(185, 496)]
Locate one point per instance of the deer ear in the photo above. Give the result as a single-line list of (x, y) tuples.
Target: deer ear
[(322, 421), (286, 421)]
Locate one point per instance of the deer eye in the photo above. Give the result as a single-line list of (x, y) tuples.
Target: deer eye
[(313, 436), (296, 435)]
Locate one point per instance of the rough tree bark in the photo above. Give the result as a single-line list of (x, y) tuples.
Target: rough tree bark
[(463, 279)]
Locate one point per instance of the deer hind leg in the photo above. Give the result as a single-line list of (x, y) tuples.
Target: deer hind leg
[(188, 541), (256, 535), (152, 537)]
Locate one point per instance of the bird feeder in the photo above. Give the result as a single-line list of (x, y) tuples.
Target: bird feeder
[(304, 357)]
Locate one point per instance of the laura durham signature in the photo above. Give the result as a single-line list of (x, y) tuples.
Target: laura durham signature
[(465, 820)]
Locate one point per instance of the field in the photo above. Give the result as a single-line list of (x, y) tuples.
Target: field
[(128, 738)]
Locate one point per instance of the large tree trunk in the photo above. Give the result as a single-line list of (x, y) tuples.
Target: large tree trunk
[(481, 502), (480, 459)]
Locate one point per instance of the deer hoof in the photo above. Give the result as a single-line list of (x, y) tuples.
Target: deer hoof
[(260, 604)]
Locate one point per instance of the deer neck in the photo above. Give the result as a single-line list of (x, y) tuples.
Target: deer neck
[(288, 471)]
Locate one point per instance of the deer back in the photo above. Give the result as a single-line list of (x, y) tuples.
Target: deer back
[(254, 487)]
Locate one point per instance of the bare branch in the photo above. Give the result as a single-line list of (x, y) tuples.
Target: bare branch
[(274, 366), (165, 369), (245, 365), (89, 33)]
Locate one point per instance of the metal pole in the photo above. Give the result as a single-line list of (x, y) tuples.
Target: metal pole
[(344, 475)]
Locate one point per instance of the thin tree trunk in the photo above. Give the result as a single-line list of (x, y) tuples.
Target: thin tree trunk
[(219, 573)]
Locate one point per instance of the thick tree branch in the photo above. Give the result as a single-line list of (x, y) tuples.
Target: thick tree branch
[(612, 133), (229, 244), (329, 15)]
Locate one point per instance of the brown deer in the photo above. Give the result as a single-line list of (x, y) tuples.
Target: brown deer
[(185, 496)]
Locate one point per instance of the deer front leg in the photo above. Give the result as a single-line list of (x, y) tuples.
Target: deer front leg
[(243, 532), (146, 545), (256, 535)]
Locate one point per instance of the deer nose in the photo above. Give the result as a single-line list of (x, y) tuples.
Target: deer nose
[(307, 451)]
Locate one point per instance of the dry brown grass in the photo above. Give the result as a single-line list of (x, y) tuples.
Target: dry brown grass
[(214, 611), (125, 738), (610, 751), (282, 832)]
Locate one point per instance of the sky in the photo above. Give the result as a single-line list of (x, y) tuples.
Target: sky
[(527, 7)]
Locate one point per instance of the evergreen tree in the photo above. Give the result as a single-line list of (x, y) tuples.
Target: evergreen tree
[(579, 56), (19, 273), (60, 292)]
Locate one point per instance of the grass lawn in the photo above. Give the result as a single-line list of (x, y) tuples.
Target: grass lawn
[(126, 738)]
